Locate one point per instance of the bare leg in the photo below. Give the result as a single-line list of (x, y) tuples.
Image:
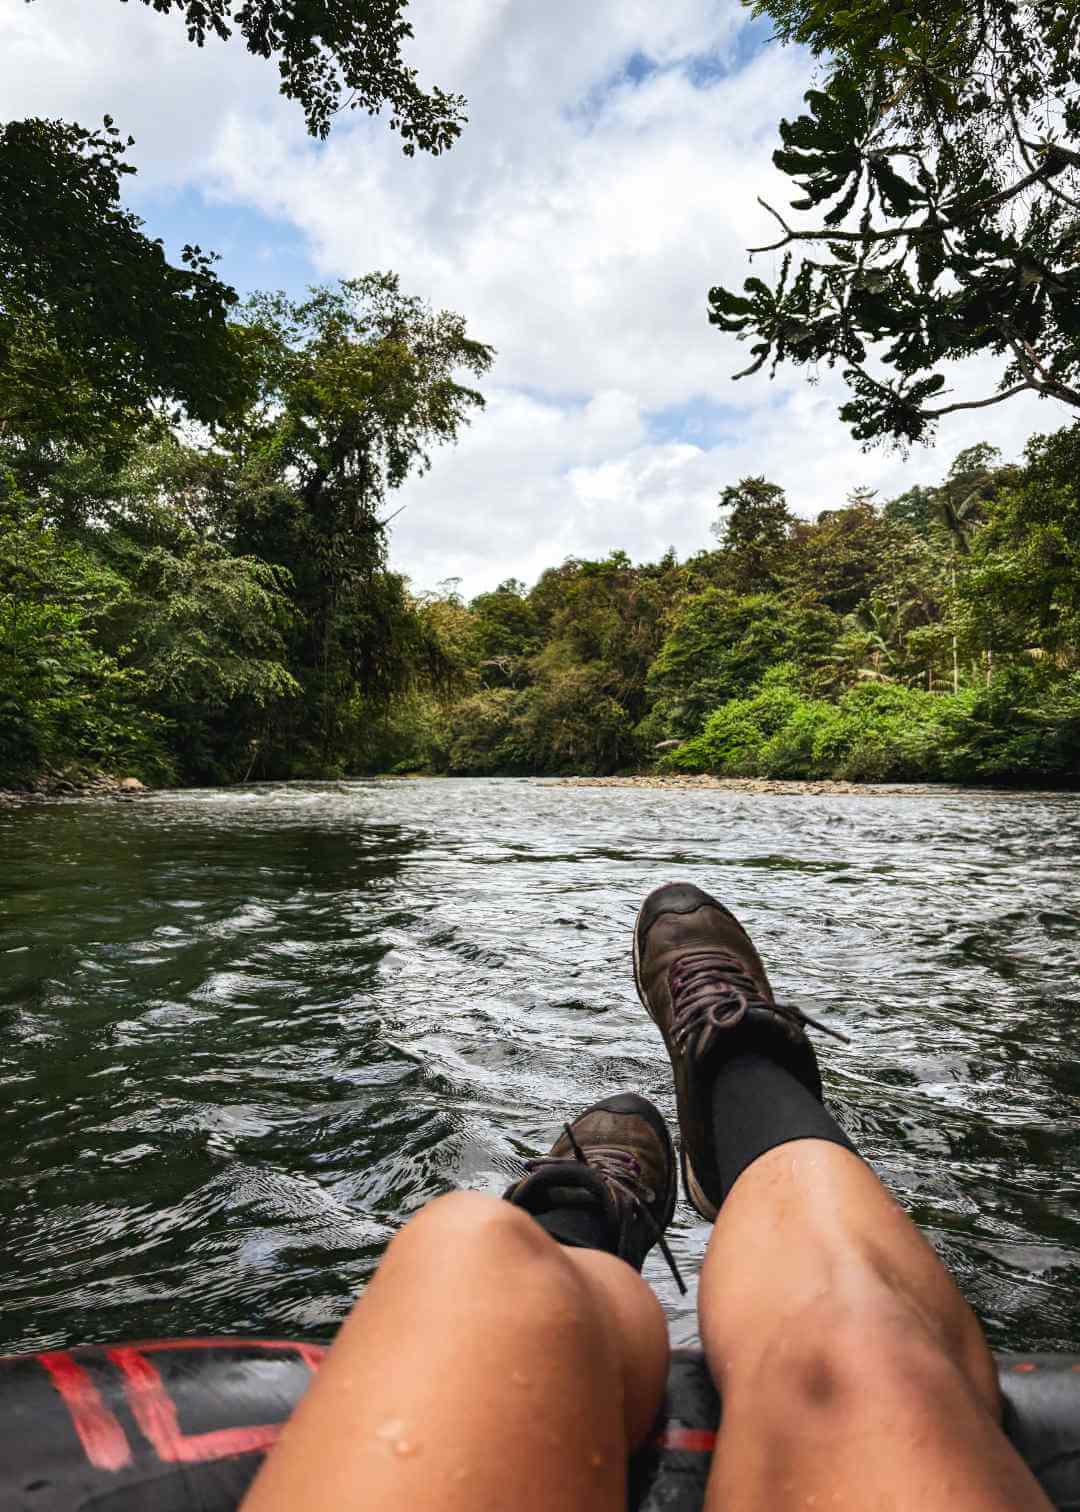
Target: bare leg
[(483, 1367), (852, 1372)]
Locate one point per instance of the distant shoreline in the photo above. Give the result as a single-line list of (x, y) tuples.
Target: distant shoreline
[(789, 787), (95, 785)]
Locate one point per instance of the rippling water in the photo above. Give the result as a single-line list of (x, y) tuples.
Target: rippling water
[(244, 1034)]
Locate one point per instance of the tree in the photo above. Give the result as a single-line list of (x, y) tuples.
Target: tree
[(960, 501), (96, 327), (334, 55), (941, 157), (913, 507), (358, 384), (606, 616), (505, 634), (845, 555), (63, 697), (755, 523), (1021, 590), (719, 647)]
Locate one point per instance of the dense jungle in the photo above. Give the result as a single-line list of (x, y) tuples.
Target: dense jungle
[(206, 612), (196, 490)]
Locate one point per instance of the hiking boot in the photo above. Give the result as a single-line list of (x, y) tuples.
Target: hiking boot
[(702, 982), (611, 1173)]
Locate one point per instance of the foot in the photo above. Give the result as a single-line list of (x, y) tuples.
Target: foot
[(702, 982), (615, 1163)]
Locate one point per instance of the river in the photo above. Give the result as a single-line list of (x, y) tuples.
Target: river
[(245, 1033)]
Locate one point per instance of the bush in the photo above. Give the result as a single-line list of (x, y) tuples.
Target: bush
[(735, 736), (63, 699), (873, 733), (1024, 726), (481, 734)]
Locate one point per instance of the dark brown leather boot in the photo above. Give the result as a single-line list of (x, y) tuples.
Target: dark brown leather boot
[(702, 982), (610, 1175)]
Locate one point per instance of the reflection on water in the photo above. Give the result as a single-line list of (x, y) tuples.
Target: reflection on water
[(244, 1034)]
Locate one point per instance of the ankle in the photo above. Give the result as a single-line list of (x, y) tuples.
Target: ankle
[(758, 1105)]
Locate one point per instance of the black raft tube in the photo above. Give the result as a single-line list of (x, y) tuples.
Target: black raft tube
[(176, 1425)]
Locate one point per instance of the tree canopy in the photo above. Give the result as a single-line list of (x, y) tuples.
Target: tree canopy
[(939, 169), (95, 323), (96, 326), (334, 55), (220, 601)]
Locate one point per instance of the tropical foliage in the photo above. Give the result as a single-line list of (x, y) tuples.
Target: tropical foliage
[(97, 327), (934, 637), (937, 214), (214, 606)]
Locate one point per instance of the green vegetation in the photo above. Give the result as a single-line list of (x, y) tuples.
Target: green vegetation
[(218, 609), (939, 170), (193, 574), (936, 637), (98, 331), (202, 607), (333, 55)]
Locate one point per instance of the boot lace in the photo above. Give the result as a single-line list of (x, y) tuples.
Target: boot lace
[(623, 1174), (711, 990)]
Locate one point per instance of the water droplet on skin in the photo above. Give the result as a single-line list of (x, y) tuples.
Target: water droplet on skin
[(404, 1448), (390, 1432), (596, 1460), (520, 1379)]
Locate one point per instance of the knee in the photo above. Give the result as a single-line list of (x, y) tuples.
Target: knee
[(462, 1221), (487, 1240), (837, 1357)]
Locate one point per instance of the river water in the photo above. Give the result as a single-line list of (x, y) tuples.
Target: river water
[(245, 1033)]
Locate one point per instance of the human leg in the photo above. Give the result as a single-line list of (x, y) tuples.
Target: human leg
[(486, 1364), (851, 1371)]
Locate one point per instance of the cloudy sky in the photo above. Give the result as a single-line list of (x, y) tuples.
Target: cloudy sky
[(607, 178)]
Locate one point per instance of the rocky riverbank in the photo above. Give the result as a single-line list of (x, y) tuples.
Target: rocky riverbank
[(71, 784), (785, 787)]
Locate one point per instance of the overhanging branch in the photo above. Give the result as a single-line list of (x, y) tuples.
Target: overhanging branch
[(967, 404)]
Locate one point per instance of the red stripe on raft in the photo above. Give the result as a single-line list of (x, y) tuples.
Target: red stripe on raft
[(102, 1437), (311, 1354), (153, 1410), (695, 1440)]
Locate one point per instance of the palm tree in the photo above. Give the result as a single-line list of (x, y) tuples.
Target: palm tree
[(958, 505)]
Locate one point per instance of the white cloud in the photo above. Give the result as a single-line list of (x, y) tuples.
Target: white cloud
[(82, 59), (577, 224), (525, 488)]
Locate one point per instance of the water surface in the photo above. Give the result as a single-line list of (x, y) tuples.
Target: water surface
[(245, 1033)]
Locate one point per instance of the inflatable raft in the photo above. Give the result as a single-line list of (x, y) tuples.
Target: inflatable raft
[(182, 1424)]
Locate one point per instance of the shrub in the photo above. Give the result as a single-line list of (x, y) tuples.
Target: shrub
[(481, 734), (873, 733)]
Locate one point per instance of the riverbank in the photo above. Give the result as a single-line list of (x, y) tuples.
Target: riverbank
[(47, 786), (784, 787)]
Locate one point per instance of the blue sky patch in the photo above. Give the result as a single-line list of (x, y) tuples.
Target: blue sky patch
[(702, 69), (257, 251), (699, 421)]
